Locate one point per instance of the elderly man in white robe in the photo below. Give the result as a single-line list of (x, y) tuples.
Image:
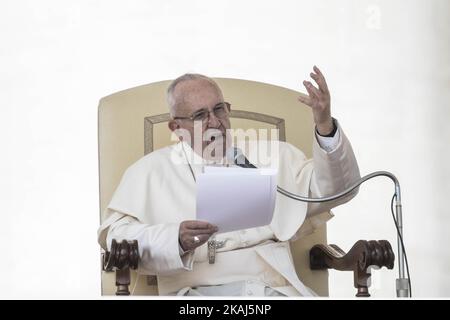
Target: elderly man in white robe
[(155, 202)]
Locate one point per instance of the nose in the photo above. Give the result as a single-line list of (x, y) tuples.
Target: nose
[(213, 121)]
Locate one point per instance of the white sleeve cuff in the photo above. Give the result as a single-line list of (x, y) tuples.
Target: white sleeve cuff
[(328, 143), (164, 251)]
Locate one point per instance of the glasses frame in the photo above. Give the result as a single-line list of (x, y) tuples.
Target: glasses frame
[(191, 117)]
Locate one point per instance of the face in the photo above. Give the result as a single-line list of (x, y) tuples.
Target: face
[(193, 96)]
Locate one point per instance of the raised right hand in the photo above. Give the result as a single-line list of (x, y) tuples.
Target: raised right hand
[(194, 228)]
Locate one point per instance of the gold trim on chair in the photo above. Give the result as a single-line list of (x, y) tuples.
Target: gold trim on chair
[(237, 114)]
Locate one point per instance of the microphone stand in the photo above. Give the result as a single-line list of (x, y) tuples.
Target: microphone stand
[(402, 283)]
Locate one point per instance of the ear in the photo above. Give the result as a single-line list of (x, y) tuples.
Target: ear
[(173, 125)]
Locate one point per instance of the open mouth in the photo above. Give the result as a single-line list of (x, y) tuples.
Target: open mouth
[(217, 137), (213, 139)]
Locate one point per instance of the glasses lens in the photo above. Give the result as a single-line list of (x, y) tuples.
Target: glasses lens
[(221, 110), (200, 116)]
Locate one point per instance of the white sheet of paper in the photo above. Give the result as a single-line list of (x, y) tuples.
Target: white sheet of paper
[(236, 198)]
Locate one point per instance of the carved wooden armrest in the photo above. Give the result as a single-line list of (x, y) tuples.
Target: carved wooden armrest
[(362, 255), (121, 258)]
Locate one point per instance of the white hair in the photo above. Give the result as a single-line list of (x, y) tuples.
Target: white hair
[(173, 100)]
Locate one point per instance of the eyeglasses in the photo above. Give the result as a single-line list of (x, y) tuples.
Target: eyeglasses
[(220, 110)]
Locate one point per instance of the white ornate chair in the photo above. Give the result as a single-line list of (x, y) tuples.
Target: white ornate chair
[(133, 122)]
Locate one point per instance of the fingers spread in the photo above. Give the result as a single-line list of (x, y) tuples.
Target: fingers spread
[(316, 79), (316, 91), (320, 80), (317, 70), (313, 91), (305, 100)]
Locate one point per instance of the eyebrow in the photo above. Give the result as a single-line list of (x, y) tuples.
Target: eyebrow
[(206, 109)]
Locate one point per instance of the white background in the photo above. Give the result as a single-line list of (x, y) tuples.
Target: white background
[(386, 62)]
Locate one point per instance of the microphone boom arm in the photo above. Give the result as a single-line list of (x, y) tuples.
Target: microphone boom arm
[(402, 283)]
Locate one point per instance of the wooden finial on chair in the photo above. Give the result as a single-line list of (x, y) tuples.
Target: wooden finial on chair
[(362, 255), (121, 258)]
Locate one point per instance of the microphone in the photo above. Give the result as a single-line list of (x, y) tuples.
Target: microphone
[(403, 284), (236, 156)]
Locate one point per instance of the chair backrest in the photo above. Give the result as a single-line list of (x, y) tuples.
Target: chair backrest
[(133, 122)]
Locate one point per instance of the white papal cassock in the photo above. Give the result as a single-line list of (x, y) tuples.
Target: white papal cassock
[(158, 192)]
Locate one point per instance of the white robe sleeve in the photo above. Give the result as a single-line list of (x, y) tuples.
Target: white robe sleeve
[(334, 171), (158, 245), (328, 172)]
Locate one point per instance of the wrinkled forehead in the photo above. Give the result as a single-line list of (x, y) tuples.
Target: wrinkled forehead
[(196, 94)]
